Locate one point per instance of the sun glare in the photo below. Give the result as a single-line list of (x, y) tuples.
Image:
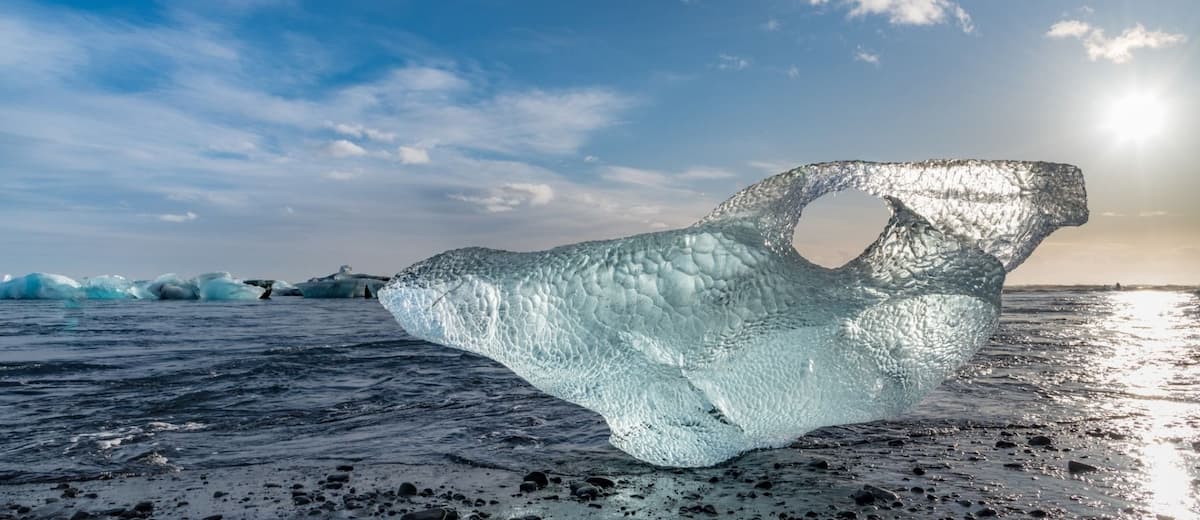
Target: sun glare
[(1136, 117)]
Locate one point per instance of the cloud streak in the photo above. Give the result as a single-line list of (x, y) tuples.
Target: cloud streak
[(1118, 49)]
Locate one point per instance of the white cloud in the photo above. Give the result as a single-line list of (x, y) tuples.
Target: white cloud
[(659, 179), (866, 56), (771, 25), (344, 148), (340, 175), (183, 217), (1068, 29), (360, 131), (731, 62), (590, 159), (637, 176), (509, 197), (793, 72), (704, 173), (1155, 213), (911, 12), (1119, 49), (413, 155), (771, 167)]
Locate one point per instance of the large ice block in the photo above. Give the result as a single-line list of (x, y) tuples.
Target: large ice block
[(700, 343)]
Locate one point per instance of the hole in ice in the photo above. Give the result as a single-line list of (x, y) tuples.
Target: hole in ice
[(838, 227)]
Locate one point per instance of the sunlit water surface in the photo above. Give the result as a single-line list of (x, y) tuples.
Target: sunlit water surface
[(142, 387)]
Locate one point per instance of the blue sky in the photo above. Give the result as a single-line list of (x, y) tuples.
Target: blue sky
[(282, 139)]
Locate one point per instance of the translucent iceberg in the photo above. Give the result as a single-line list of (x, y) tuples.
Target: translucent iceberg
[(283, 288), (40, 286), (700, 343), (223, 286), (171, 286), (113, 287)]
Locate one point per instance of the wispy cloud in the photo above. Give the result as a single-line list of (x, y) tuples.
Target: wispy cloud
[(344, 148), (866, 56), (771, 25), (1118, 49), (178, 217), (509, 197), (656, 178), (731, 62), (413, 155), (910, 12)]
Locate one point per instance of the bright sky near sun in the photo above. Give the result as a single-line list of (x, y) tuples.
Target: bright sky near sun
[(285, 138)]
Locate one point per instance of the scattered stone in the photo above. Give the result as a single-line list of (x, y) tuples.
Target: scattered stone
[(1038, 513), (1079, 467), (219, 494), (918, 470), (880, 493), (987, 511), (144, 507), (584, 490), (528, 487), (538, 478), (407, 489), (213, 517), (338, 477), (819, 464), (1040, 440), (600, 482), (437, 513), (863, 497), (764, 484), (1005, 444), (345, 468), (81, 515)]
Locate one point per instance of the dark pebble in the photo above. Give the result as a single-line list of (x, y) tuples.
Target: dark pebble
[(585, 491), (528, 487), (213, 517), (437, 513), (81, 515), (144, 507), (345, 467), (600, 482), (1079, 467), (538, 478), (862, 497), (407, 489), (338, 477), (918, 470), (880, 493), (765, 484), (1037, 513), (1040, 440), (819, 464), (1005, 444), (987, 511)]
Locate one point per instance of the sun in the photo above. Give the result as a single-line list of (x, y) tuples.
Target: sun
[(1136, 117)]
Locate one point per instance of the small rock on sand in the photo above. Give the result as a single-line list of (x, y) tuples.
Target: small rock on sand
[(437, 513), (537, 477), (1079, 467)]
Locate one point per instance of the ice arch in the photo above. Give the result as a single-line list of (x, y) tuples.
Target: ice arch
[(697, 344)]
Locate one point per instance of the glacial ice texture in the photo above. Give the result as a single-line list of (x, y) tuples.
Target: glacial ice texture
[(700, 343)]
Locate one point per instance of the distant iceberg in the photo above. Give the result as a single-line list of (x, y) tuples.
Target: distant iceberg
[(283, 288), (40, 286), (223, 286), (46, 286), (343, 284), (113, 287)]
